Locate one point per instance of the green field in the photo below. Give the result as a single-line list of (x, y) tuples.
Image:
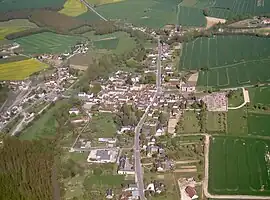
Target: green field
[(118, 42), (13, 26), (191, 122), (216, 122), (245, 172), (150, 13), (47, 42), (73, 8), (8, 5), (19, 70), (258, 124), (188, 16), (237, 122), (260, 95), (102, 2), (228, 61), (236, 99)]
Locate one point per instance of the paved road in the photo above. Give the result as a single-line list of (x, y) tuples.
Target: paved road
[(137, 155), (91, 8), (19, 126)]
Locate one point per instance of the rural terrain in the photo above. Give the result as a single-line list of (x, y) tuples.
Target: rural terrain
[(134, 99)]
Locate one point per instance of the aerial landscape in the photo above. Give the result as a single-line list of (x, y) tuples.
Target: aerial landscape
[(134, 99)]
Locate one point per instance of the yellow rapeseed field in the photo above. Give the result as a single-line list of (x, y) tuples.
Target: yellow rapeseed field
[(20, 70), (73, 8)]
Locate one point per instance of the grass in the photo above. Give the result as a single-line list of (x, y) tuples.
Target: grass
[(48, 42), (20, 70), (73, 8), (13, 26), (237, 122), (101, 125), (244, 172), (118, 42), (258, 124), (191, 123), (107, 180), (259, 95), (102, 2), (188, 16), (236, 99), (45, 126), (228, 61), (216, 122)]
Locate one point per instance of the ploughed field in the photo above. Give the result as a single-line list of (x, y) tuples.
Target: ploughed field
[(47, 42), (246, 172), (228, 61)]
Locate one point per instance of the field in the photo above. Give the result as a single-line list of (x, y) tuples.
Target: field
[(191, 123), (188, 16), (73, 8), (236, 99), (244, 172), (20, 70), (101, 2), (8, 5), (47, 42), (13, 26), (228, 61), (260, 95), (150, 13), (258, 124), (216, 122), (237, 122), (119, 42)]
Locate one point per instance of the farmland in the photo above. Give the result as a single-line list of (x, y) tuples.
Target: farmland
[(27, 4), (102, 2), (260, 95), (118, 42), (228, 61), (188, 16), (47, 42), (237, 122), (190, 122), (244, 172), (73, 8), (216, 122), (258, 124), (13, 26), (20, 70), (154, 14)]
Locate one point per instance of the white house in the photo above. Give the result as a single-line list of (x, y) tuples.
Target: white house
[(74, 111), (187, 88)]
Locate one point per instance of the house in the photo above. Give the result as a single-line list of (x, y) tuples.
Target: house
[(160, 131), (187, 88), (74, 111), (156, 187), (109, 194), (191, 192), (124, 166)]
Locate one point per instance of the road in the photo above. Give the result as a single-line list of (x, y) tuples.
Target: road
[(137, 154), (19, 126), (246, 100), (91, 8), (158, 78)]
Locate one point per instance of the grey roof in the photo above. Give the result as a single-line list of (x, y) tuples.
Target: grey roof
[(103, 154)]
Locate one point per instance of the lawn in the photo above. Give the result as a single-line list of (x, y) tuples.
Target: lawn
[(45, 126), (244, 172), (109, 44), (13, 26), (258, 124), (107, 180), (150, 13), (216, 122), (236, 98), (228, 61), (260, 95), (101, 125), (48, 42), (237, 122), (73, 8), (191, 123), (19, 70)]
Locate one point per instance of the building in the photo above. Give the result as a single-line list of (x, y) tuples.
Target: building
[(102, 156), (109, 194), (124, 166), (74, 111), (191, 192), (187, 88)]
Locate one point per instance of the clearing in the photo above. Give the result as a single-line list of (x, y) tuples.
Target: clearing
[(243, 173), (190, 122), (9, 71), (73, 8)]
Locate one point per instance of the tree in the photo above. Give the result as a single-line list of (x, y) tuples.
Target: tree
[(163, 118), (96, 88)]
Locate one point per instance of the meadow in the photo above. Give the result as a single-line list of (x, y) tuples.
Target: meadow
[(118, 42), (47, 42), (258, 124), (150, 13), (19, 70), (259, 95), (244, 172), (189, 16), (228, 61), (191, 122), (216, 122), (237, 122), (102, 2), (13, 26), (8, 5), (73, 8)]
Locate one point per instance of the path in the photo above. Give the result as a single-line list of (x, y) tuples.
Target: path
[(246, 100), (91, 8)]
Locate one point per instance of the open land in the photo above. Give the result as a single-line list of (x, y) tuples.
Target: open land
[(237, 122), (188, 16), (101, 2), (47, 42), (190, 122), (8, 5), (258, 124), (73, 8), (216, 122), (236, 99), (260, 95), (13, 26), (20, 70), (229, 60), (245, 172)]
